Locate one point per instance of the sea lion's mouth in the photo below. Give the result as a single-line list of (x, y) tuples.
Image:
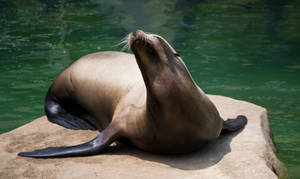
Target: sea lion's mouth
[(145, 44), (139, 37)]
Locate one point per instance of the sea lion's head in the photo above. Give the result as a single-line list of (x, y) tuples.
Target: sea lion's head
[(151, 48), (162, 68)]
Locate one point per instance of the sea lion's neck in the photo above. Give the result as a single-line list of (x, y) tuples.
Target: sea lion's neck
[(153, 108), (167, 92)]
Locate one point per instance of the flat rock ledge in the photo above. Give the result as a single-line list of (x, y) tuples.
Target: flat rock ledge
[(248, 153)]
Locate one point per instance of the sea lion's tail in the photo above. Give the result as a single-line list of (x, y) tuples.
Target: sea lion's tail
[(95, 146), (231, 125)]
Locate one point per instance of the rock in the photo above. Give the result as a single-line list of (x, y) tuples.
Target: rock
[(248, 153)]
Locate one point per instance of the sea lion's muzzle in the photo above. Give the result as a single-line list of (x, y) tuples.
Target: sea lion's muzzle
[(136, 36)]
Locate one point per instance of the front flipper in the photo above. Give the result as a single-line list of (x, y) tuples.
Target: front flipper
[(95, 146), (231, 125)]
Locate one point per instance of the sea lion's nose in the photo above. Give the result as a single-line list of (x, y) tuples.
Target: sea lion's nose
[(137, 32)]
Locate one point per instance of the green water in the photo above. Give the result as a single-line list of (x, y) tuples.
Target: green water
[(248, 50)]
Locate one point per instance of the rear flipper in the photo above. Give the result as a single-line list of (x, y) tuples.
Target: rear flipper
[(231, 125), (59, 115), (95, 146)]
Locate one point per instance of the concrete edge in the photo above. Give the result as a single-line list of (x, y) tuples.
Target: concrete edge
[(271, 159), (237, 100)]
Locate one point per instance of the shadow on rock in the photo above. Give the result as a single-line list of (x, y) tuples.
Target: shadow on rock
[(204, 158)]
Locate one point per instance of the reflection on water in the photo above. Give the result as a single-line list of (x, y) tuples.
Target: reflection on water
[(245, 49)]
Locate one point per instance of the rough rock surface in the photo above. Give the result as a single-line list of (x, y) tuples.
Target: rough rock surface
[(248, 153)]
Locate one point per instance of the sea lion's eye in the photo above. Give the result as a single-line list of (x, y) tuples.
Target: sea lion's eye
[(177, 55)]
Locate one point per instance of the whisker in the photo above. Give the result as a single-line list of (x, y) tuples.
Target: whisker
[(124, 42)]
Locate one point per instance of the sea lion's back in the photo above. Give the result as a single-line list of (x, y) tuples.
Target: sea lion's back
[(113, 68), (98, 79)]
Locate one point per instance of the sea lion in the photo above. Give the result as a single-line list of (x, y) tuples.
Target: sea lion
[(148, 98)]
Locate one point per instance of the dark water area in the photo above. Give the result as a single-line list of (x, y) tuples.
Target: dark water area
[(248, 50)]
